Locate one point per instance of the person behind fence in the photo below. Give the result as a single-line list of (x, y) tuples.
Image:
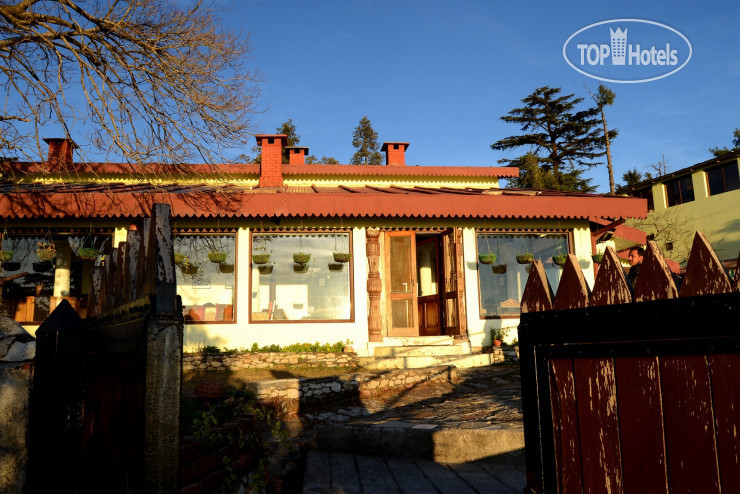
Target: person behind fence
[(635, 258)]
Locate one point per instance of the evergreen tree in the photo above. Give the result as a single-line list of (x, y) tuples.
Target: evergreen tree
[(723, 150), (632, 177), (365, 140), (324, 160), (605, 96), (563, 140), (534, 176)]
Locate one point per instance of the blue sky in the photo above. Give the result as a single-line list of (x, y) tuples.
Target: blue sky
[(441, 74)]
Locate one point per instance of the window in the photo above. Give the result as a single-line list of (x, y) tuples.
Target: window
[(646, 194), (679, 190), (41, 271), (205, 276), (502, 283), (723, 178), (301, 277)]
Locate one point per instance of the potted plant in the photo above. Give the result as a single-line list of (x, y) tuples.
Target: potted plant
[(301, 258), (46, 251), (181, 259), (335, 266), (6, 255), (525, 258), (217, 256), (560, 259), (498, 335), (261, 257), (498, 268), (260, 254), (342, 256), (265, 268), (88, 253), (300, 268), (597, 258), (487, 258)]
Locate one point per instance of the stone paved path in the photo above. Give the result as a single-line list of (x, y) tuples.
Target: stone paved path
[(484, 400)]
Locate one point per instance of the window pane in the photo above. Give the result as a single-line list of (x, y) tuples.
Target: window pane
[(401, 264), (673, 193), (317, 289), (732, 177), (501, 285), (401, 313), (205, 276), (687, 189), (39, 285), (426, 268), (716, 181)]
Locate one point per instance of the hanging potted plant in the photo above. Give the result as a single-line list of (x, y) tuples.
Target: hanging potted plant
[(87, 251), (261, 255), (6, 254), (300, 268), (181, 259), (216, 253), (485, 256), (265, 268), (335, 266), (341, 255), (559, 255), (498, 268), (527, 256), (597, 258), (46, 251), (301, 257)]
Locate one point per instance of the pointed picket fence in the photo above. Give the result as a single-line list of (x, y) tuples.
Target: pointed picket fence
[(633, 388)]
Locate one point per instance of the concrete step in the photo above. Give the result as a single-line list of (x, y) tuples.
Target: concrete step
[(418, 340), (416, 362), (399, 439), (419, 351)]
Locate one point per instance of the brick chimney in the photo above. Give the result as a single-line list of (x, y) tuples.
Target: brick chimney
[(60, 153), (271, 169), (297, 155), (395, 153)]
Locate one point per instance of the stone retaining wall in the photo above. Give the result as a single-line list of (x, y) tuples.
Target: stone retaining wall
[(261, 360), (291, 396)]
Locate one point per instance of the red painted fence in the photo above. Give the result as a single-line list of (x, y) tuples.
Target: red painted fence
[(633, 389)]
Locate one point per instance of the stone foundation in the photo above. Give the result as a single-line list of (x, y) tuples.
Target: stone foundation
[(262, 360)]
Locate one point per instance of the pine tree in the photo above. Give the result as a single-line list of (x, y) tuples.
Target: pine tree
[(534, 176), (365, 140), (564, 141), (605, 96)]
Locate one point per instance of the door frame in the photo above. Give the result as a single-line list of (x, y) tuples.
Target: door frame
[(412, 296)]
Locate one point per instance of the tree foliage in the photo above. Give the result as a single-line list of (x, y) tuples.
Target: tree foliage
[(150, 80), (735, 142), (632, 177), (365, 140), (534, 176), (563, 140)]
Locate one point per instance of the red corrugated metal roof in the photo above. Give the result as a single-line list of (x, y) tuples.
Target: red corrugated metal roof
[(210, 201)]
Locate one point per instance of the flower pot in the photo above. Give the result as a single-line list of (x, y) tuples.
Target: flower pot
[(265, 268), (11, 266), (226, 268), (488, 258), (524, 258), (300, 268), (560, 259), (260, 258), (496, 342), (335, 266), (498, 268), (6, 255), (88, 253), (217, 256), (301, 258), (597, 258), (342, 256), (43, 266)]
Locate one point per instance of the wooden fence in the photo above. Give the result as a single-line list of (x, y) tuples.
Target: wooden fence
[(633, 389), (106, 399)]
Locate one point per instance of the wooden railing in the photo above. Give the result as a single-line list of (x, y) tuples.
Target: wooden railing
[(633, 389)]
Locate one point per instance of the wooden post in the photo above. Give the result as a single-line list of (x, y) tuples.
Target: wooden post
[(374, 284)]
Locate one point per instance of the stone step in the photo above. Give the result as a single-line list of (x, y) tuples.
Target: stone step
[(423, 441), (419, 351), (416, 362)]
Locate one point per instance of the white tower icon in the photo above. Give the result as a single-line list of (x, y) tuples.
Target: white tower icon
[(619, 45)]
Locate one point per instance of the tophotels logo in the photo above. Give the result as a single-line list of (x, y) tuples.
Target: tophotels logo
[(636, 50)]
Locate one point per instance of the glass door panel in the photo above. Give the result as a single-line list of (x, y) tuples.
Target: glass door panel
[(401, 284)]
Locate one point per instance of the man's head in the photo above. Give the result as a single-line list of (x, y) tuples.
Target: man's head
[(635, 256)]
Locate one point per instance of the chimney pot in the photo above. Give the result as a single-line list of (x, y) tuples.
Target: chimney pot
[(60, 153), (395, 153), (271, 169), (297, 155)]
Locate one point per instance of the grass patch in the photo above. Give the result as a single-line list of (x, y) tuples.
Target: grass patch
[(238, 377)]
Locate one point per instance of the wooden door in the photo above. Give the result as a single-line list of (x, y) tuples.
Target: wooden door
[(453, 290), (401, 307), (428, 286)]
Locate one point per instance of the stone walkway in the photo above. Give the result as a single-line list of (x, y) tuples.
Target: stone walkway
[(465, 437)]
